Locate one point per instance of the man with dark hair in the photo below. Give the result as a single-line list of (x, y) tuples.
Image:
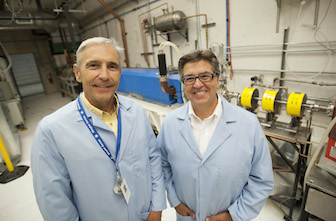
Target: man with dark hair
[(216, 160)]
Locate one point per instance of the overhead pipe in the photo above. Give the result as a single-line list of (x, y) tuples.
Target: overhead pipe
[(36, 20), (122, 27), (122, 14)]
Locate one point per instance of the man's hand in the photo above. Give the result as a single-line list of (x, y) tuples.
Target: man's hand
[(183, 210), (154, 216), (220, 217)]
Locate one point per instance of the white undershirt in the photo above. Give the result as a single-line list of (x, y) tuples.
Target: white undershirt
[(203, 130)]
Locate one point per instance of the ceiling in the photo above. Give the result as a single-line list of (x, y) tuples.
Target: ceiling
[(30, 14)]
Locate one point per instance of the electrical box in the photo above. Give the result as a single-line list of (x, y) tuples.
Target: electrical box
[(331, 148)]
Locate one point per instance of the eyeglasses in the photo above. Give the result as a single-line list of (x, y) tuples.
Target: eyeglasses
[(205, 77)]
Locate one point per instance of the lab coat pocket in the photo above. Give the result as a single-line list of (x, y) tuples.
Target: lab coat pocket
[(184, 218), (144, 216), (231, 175)]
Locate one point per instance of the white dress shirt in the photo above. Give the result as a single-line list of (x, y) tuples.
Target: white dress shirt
[(203, 130)]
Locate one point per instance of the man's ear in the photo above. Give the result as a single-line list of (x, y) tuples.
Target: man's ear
[(77, 74)]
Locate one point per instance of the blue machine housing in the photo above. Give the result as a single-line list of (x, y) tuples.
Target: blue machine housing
[(145, 82)]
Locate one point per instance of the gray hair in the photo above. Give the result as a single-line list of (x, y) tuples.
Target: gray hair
[(93, 41), (196, 56)]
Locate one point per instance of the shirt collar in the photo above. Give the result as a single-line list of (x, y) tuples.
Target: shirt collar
[(97, 111), (217, 112)]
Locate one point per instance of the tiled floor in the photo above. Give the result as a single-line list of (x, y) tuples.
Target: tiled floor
[(17, 197)]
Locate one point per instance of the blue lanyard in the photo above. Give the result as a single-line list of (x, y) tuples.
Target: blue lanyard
[(97, 136)]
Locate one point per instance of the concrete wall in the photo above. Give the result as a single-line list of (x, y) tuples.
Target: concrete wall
[(253, 23)]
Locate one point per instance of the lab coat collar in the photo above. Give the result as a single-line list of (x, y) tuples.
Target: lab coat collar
[(95, 120), (222, 132)]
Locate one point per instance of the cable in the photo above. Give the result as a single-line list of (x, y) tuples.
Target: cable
[(9, 62), (292, 33), (171, 44), (228, 38), (12, 10), (325, 15), (329, 49)]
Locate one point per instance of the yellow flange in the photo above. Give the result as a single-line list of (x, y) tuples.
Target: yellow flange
[(294, 104), (247, 96), (268, 100)]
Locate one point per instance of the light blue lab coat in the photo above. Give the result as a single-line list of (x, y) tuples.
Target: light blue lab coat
[(73, 177), (235, 173)]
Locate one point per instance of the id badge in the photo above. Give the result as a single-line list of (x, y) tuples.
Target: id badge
[(125, 190)]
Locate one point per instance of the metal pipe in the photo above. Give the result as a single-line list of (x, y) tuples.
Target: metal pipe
[(71, 10), (206, 25), (280, 51), (143, 37), (228, 38), (308, 72), (154, 9), (283, 56), (304, 82), (30, 18), (122, 27), (70, 29), (145, 46), (107, 31), (122, 14), (163, 78), (168, 90), (317, 107), (269, 45)]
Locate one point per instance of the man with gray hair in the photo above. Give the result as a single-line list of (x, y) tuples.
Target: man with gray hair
[(216, 160), (96, 158)]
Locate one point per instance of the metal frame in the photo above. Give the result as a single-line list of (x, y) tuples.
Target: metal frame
[(301, 143)]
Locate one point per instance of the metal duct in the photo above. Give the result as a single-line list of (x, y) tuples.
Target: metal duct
[(29, 20)]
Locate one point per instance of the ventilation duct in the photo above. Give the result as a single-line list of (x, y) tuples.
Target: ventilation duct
[(29, 20)]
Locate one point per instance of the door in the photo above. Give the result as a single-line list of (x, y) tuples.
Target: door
[(26, 74)]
